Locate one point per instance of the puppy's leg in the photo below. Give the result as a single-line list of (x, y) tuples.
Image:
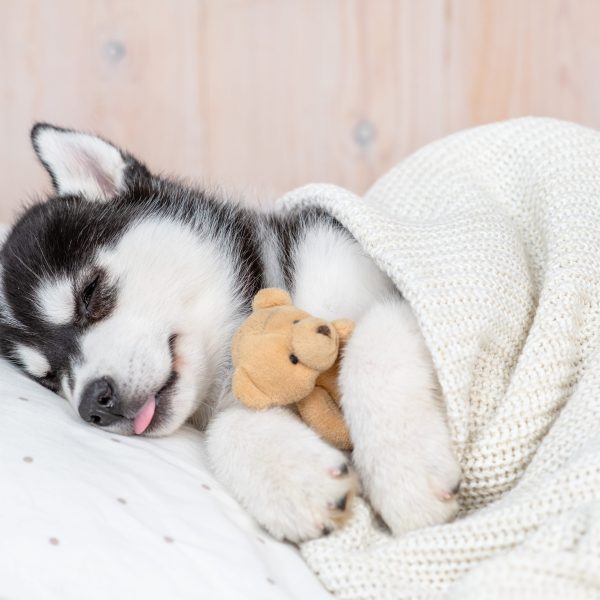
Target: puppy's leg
[(402, 446), (292, 482)]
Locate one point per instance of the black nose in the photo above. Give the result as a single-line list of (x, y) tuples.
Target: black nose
[(99, 402), (324, 330)]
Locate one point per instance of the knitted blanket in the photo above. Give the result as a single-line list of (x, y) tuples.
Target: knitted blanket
[(493, 236)]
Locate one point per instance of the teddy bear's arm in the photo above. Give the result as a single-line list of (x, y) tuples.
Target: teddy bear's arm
[(319, 411)]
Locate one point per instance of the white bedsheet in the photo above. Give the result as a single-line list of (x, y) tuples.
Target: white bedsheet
[(87, 515)]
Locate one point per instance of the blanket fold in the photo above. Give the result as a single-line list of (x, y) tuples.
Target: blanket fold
[(493, 236)]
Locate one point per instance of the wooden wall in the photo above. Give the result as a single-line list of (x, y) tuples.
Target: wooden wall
[(264, 95)]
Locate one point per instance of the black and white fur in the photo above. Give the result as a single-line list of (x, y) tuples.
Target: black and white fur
[(136, 279)]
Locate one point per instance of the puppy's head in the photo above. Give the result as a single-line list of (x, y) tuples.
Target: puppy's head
[(113, 292)]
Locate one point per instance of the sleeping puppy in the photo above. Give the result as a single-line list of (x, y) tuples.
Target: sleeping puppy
[(121, 292)]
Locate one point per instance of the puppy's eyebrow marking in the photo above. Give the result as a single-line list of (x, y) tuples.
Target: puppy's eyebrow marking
[(56, 302), (33, 361)]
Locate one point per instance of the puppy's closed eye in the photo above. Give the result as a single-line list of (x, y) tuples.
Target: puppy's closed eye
[(96, 299), (88, 292)]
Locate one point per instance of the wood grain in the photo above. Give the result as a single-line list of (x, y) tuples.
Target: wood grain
[(264, 95)]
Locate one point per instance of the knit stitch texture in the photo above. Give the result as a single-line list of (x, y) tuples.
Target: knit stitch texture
[(493, 236)]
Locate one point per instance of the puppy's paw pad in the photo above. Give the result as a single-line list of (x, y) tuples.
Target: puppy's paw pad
[(340, 504), (340, 471), (341, 509), (447, 495)]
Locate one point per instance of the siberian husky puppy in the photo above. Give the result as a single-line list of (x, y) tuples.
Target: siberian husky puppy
[(121, 292)]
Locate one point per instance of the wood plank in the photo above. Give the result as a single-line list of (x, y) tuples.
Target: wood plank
[(264, 95)]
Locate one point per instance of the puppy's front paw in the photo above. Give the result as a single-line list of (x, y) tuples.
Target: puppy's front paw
[(416, 490), (293, 483), (310, 498)]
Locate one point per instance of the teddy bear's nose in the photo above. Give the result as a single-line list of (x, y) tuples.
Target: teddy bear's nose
[(323, 329)]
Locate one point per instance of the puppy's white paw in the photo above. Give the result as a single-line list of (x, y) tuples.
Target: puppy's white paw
[(307, 499), (402, 444), (293, 483), (410, 492)]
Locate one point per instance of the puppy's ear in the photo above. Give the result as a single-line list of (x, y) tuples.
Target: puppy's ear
[(270, 297), (83, 164)]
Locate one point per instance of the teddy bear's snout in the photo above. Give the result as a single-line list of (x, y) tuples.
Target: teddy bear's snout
[(315, 342)]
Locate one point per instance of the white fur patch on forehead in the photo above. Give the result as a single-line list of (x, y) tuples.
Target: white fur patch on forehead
[(33, 361), (56, 302), (80, 163)]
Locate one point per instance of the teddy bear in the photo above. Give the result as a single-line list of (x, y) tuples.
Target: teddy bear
[(283, 356)]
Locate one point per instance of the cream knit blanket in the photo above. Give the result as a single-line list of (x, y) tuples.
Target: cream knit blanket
[(493, 236)]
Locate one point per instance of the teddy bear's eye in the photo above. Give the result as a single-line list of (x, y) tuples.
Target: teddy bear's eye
[(296, 321), (293, 359)]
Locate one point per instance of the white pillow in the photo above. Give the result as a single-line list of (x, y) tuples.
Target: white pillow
[(85, 514)]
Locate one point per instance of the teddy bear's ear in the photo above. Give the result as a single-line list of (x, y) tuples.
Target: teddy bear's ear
[(270, 297), (246, 391), (344, 327)]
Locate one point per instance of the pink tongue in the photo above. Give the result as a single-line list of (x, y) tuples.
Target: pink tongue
[(144, 416)]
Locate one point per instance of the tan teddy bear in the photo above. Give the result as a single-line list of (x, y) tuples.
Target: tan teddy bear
[(284, 356)]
